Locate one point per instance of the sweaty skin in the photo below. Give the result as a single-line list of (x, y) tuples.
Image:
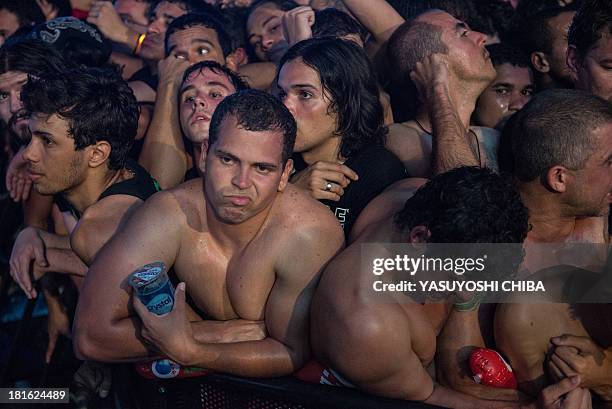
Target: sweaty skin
[(261, 266)]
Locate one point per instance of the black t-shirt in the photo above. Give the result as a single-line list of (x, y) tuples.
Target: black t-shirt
[(142, 186), (376, 167), (145, 75)]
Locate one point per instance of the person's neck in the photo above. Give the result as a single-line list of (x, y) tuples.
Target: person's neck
[(549, 222), (87, 192), (327, 151), (463, 99), (235, 236)]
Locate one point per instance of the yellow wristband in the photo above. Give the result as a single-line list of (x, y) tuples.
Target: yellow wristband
[(139, 42)]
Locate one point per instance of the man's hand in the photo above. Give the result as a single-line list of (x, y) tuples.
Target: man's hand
[(297, 24), (573, 355), (58, 324), (565, 395), (430, 76), (171, 333), (171, 70), (316, 177), (103, 15), (29, 247), (17, 178)]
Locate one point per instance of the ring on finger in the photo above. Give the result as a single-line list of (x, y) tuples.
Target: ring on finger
[(328, 187)]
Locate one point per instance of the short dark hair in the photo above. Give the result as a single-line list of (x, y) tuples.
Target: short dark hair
[(336, 23), (234, 22), (536, 32), (554, 128), (255, 111), (190, 6), (97, 103), (190, 20), (502, 53), (592, 22), (237, 81), (284, 5), (31, 57), (27, 11), (467, 205), (348, 78), (412, 42)]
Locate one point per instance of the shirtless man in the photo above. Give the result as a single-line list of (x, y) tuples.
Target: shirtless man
[(247, 246), (402, 336), (562, 152)]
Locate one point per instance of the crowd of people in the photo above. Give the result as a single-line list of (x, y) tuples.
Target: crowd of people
[(255, 147)]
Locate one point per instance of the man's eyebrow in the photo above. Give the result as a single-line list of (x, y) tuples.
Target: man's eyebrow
[(503, 84), (271, 166), (220, 152), (218, 84), (202, 40), (266, 21), (187, 88), (304, 86)]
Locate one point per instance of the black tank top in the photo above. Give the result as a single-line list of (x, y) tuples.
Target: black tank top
[(142, 186)]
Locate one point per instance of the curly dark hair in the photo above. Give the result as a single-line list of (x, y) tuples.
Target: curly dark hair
[(97, 103), (592, 22), (503, 53), (255, 111), (31, 57), (332, 22), (349, 80), (467, 205)]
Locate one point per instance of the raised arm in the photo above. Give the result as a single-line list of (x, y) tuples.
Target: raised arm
[(163, 152), (377, 16), (452, 146)]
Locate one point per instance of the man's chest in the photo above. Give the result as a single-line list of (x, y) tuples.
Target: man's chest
[(227, 284)]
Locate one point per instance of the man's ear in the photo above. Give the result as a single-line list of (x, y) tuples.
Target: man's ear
[(540, 62), (419, 234), (236, 59), (573, 62), (285, 176), (99, 153), (556, 179)]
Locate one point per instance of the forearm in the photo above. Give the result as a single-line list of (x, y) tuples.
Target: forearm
[(222, 332), (260, 359), (117, 342), (54, 241), (259, 75), (453, 146), (377, 16), (449, 398), (37, 210), (65, 261), (163, 151)]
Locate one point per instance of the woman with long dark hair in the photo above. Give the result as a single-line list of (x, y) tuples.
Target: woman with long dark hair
[(339, 156)]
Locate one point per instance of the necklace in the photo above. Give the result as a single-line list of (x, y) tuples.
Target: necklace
[(469, 130)]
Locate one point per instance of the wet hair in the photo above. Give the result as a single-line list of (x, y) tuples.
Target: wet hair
[(554, 128), (256, 111), (349, 81), (27, 11), (190, 20), (284, 5), (592, 22), (502, 53), (467, 205), (97, 104), (236, 80), (412, 42), (234, 22), (336, 23), (31, 57), (536, 32)]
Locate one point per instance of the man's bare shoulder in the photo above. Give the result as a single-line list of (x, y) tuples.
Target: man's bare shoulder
[(385, 205)]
